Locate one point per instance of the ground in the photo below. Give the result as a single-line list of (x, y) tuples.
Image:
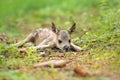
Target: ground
[(98, 33)]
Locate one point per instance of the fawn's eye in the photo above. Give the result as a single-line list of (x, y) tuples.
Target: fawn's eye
[(69, 41), (59, 41)]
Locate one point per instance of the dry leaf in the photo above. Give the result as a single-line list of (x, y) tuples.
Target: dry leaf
[(22, 50), (82, 71), (54, 63)]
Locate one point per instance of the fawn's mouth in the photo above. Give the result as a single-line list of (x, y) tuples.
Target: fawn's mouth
[(59, 49)]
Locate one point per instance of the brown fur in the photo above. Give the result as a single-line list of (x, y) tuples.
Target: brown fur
[(45, 38)]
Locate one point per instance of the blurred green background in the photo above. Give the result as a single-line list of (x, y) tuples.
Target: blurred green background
[(15, 13)]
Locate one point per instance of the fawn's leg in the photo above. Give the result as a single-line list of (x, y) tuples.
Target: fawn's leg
[(75, 47), (42, 47), (46, 43), (29, 38)]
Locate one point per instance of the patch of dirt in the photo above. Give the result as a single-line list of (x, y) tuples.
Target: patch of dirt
[(77, 60)]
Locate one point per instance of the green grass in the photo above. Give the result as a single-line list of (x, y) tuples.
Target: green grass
[(98, 32)]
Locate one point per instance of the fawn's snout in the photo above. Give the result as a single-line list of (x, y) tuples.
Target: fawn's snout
[(66, 48)]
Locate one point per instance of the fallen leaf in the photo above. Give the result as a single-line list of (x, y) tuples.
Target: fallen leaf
[(22, 50), (54, 63), (82, 71)]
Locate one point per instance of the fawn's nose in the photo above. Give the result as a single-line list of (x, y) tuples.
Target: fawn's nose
[(66, 47)]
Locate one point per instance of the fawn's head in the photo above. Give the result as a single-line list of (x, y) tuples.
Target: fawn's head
[(63, 36)]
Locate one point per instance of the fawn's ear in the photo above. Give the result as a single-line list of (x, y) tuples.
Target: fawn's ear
[(54, 28), (72, 28)]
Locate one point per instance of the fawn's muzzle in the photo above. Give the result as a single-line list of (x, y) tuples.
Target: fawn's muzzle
[(66, 48)]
